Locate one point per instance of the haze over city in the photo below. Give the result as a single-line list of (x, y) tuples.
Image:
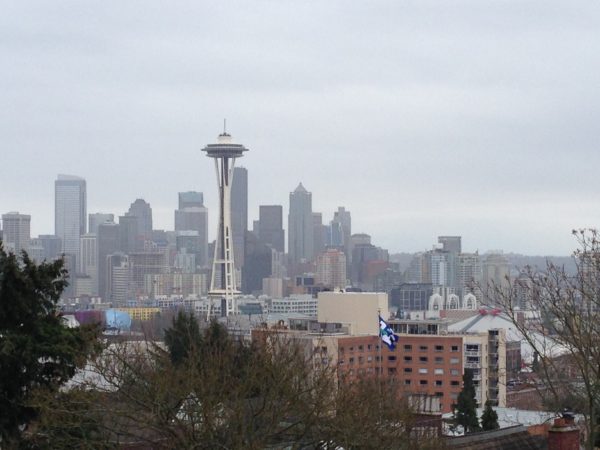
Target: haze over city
[(422, 118)]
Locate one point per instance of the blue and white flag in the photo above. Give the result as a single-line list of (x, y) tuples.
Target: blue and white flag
[(387, 334)]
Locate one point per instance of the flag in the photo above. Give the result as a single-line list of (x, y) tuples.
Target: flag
[(387, 334)]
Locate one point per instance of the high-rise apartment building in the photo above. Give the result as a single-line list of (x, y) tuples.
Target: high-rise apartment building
[(469, 273), (192, 216), (270, 226), (95, 219), (128, 234), (70, 212), (495, 274), (239, 213), (88, 260), (16, 232), (331, 269), (300, 226), (143, 212), (450, 244)]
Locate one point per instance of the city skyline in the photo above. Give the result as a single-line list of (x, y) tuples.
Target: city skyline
[(422, 119)]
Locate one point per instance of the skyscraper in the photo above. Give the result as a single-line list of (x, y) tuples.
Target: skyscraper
[(300, 225), (343, 220), (143, 212), (16, 235), (191, 199), (108, 243), (319, 234), (270, 226), (70, 203), (96, 219), (88, 260), (239, 213), (223, 279), (192, 215), (331, 269)]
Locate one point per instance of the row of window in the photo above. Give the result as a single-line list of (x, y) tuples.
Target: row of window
[(407, 359), (406, 347), (424, 370), (437, 383)]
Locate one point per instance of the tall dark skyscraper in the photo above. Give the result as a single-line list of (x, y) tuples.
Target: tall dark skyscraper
[(319, 234), (70, 212), (300, 226), (239, 213), (143, 212), (270, 226)]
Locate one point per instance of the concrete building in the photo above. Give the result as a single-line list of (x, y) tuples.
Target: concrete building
[(319, 234), (141, 210), (70, 212), (273, 287), (299, 304), (194, 219), (300, 226), (343, 220), (495, 272), (469, 273), (96, 219), (331, 269), (51, 245), (108, 243), (358, 311), (191, 199), (270, 226), (16, 234), (88, 262)]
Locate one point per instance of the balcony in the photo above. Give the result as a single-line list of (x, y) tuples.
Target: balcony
[(472, 365), (472, 353)]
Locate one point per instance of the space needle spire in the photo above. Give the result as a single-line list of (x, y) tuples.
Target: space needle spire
[(223, 284)]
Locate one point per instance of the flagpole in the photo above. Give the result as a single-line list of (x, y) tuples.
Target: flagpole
[(379, 341)]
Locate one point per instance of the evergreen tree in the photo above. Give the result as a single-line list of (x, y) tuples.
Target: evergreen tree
[(37, 351), (183, 339), (489, 418), (465, 409)]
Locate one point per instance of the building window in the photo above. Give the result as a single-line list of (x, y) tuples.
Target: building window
[(341, 349), (361, 360), (439, 371), (391, 370), (454, 395), (454, 372), (351, 349), (369, 347), (408, 359), (340, 362), (454, 348), (391, 358), (438, 382), (453, 360), (408, 369), (439, 394), (360, 348), (423, 348), (455, 383), (422, 359), (351, 361), (422, 382), (423, 370), (408, 348), (407, 382), (439, 348), (369, 358), (439, 360)]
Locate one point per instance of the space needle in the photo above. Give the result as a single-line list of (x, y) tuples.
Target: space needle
[(223, 284)]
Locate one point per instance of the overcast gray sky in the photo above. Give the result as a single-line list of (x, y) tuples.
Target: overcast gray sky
[(423, 118)]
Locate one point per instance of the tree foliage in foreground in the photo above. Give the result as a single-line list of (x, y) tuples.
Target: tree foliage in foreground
[(566, 336), (207, 390), (465, 409), (37, 351), (489, 418)]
